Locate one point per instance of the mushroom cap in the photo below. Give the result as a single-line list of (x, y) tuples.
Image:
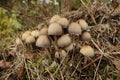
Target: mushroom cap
[(55, 29), (30, 39), (25, 35), (86, 36), (74, 28), (64, 22), (63, 54), (83, 24), (35, 33), (69, 47), (27, 32), (44, 31), (87, 51), (54, 18), (18, 41), (64, 41), (43, 41), (57, 55)]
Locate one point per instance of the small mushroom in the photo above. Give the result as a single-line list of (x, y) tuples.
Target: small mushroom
[(54, 64), (57, 55), (64, 41), (18, 41), (25, 34), (55, 29), (63, 54), (86, 36), (44, 31), (74, 28), (64, 22), (54, 18), (83, 24), (69, 47), (87, 50), (35, 33), (30, 39), (43, 41)]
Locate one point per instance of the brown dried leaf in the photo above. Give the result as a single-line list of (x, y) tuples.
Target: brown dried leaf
[(117, 64), (4, 64), (20, 72), (30, 56)]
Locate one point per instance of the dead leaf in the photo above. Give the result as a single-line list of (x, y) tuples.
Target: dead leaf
[(117, 64), (20, 72), (4, 64), (30, 56)]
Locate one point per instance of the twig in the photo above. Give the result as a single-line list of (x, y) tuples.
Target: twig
[(102, 54), (61, 75), (75, 68), (97, 67), (90, 63), (97, 46)]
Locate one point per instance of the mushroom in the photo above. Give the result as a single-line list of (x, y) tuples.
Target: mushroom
[(83, 24), (57, 55), (43, 41), (63, 54), (18, 41), (54, 29), (54, 18), (44, 31), (64, 41), (30, 39), (87, 51), (60, 54), (63, 22), (86, 36), (74, 28), (35, 33), (25, 34), (69, 47)]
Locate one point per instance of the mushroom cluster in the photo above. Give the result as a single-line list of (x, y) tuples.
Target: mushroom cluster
[(59, 35)]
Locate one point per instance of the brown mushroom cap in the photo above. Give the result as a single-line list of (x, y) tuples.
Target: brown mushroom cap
[(64, 22), (69, 47), (74, 28), (30, 39), (83, 24), (35, 33), (86, 36), (57, 55), (18, 41), (54, 18), (43, 41), (44, 31), (64, 41), (87, 51), (55, 29), (63, 54), (25, 34)]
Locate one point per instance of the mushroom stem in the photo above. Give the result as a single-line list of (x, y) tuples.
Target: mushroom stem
[(55, 42), (85, 60)]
